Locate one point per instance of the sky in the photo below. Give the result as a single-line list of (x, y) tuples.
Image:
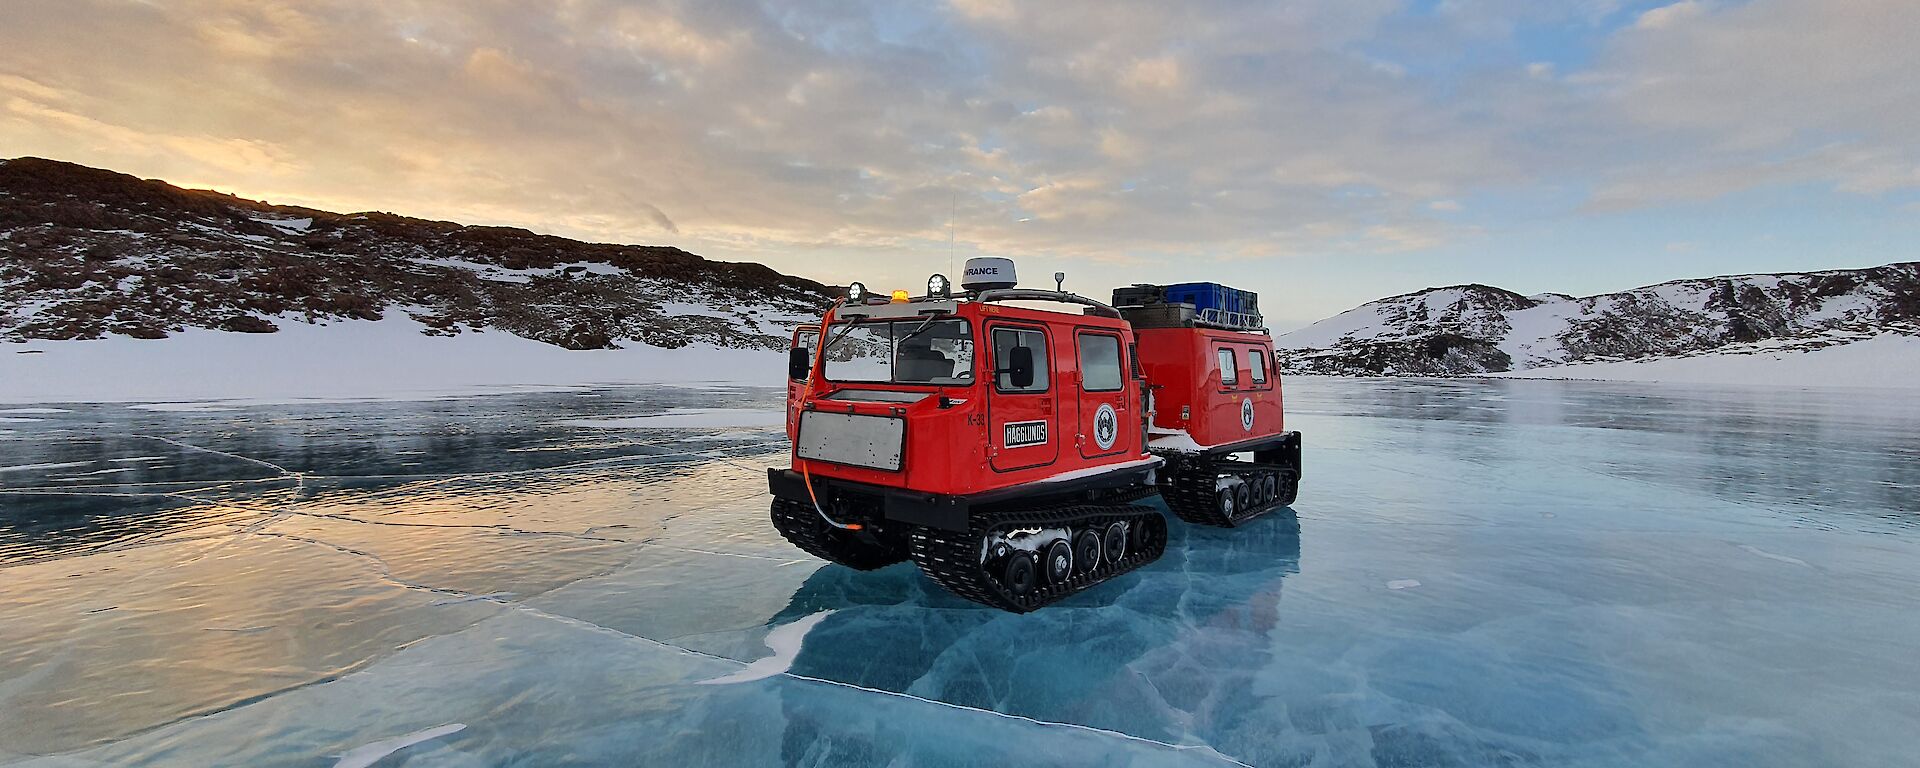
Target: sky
[(1323, 154)]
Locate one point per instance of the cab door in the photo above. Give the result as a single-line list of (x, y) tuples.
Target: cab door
[(1022, 422), (807, 338), (1106, 425)]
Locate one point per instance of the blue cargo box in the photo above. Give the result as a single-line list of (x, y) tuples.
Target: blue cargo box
[(1205, 296)]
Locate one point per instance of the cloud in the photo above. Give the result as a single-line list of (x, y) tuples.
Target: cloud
[(1670, 15), (30, 88), (1160, 73), (1401, 238), (1764, 93), (1123, 126), (825, 138)]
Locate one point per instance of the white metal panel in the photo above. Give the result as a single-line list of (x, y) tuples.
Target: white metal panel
[(878, 395), (911, 309), (875, 442)]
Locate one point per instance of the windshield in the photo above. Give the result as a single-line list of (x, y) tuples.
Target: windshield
[(901, 352)]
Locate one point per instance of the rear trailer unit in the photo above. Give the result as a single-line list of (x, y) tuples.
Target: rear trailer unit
[(1003, 447)]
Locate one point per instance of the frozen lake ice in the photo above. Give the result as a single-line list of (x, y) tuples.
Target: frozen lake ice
[(1477, 573)]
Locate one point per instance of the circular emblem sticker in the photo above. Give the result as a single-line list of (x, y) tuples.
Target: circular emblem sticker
[(1246, 414), (1106, 427)]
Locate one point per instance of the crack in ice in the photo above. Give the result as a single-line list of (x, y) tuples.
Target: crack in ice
[(189, 446)]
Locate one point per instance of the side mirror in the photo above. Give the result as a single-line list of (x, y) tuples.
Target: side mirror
[(799, 363), (1019, 367)]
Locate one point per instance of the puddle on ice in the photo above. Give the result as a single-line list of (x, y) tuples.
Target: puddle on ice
[(1608, 575), (785, 642), (362, 757), (45, 465)]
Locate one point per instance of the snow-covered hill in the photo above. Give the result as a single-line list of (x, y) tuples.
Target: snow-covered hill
[(1473, 329), (92, 254), (114, 288)]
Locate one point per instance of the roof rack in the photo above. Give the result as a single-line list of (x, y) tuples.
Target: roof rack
[(1029, 294), (1187, 305)]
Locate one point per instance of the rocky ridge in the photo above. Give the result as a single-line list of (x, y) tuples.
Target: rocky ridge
[(1473, 329), (87, 253)]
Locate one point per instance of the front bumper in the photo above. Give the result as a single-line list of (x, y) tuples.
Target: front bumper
[(867, 502)]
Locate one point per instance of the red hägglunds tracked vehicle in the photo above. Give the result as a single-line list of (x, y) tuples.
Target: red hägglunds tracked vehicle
[(1000, 437)]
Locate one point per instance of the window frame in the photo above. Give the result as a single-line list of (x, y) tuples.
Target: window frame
[(1258, 375), (893, 352), (1042, 364), (801, 340), (1120, 360), (1228, 361)]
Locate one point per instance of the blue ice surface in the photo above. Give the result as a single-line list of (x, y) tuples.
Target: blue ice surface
[(1477, 573)]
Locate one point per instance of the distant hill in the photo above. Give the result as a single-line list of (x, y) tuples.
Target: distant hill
[(1474, 329), (87, 254)]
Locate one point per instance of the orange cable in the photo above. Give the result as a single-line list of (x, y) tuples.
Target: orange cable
[(813, 376)]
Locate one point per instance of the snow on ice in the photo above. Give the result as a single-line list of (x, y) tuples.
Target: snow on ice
[(348, 360), (1884, 361)]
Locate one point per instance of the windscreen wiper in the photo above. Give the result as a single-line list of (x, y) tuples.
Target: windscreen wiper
[(837, 339), (919, 330)]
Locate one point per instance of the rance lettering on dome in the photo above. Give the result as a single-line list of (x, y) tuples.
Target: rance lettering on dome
[(1024, 433), (988, 273)]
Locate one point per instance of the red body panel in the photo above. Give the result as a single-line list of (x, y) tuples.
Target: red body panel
[(956, 436), (1183, 366)]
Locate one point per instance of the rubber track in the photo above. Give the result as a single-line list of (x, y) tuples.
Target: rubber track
[(952, 558), (801, 525), (1189, 488)]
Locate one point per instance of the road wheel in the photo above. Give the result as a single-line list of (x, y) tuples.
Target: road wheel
[(1115, 542), (1019, 576), (1086, 551), (1059, 562)]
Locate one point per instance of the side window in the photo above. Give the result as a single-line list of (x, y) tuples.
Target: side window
[(1257, 365), (1100, 363), (1229, 367), (1004, 340)]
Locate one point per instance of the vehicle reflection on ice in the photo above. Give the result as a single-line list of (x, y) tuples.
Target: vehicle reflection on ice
[(1176, 642)]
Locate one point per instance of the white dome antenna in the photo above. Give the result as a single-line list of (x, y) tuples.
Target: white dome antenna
[(987, 274)]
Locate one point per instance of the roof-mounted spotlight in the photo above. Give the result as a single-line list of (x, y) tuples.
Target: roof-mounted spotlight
[(856, 293), (938, 287)]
